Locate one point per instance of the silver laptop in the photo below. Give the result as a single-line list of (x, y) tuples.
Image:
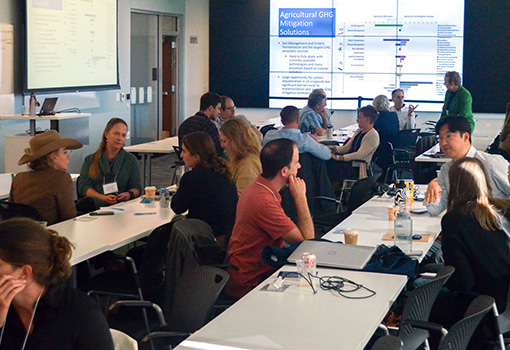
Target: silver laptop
[(343, 256)]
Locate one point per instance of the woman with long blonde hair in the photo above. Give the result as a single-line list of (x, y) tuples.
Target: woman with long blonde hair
[(110, 174), (475, 237), (243, 149)]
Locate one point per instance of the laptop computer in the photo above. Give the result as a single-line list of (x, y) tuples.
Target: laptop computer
[(48, 107), (337, 255)]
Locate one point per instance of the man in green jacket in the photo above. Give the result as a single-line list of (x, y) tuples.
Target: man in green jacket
[(457, 101)]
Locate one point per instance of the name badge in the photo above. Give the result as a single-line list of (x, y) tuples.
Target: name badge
[(110, 188)]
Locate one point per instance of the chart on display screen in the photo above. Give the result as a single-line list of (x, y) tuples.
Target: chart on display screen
[(363, 48)]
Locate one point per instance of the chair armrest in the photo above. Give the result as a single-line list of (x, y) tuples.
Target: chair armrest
[(155, 335), (430, 326), (327, 199), (141, 304)]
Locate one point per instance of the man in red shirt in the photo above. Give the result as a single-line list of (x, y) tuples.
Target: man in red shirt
[(260, 219)]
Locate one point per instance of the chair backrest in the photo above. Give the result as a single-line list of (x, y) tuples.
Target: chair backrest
[(122, 341), (9, 210), (195, 294), (418, 306), (361, 191), (503, 320), (460, 333), (406, 139), (266, 128), (388, 342)]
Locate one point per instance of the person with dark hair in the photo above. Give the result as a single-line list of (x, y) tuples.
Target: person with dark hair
[(315, 117), (48, 187), (109, 175), (458, 100), (39, 309), (361, 146), (203, 120), (207, 192), (455, 141), (228, 112), (406, 118), (261, 220), (243, 149), (304, 142)]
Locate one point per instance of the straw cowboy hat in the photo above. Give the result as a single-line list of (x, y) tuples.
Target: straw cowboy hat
[(46, 143)]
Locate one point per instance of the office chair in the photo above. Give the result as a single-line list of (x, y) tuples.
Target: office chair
[(459, 335), (402, 152), (388, 342), (503, 323)]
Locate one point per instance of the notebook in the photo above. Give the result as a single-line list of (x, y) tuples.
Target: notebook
[(344, 256), (48, 107)]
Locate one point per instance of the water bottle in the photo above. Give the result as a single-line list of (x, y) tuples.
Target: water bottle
[(400, 195), (164, 198), (403, 231), (329, 132), (32, 104)]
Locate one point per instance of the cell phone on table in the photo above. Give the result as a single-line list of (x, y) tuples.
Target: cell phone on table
[(288, 274), (100, 213)]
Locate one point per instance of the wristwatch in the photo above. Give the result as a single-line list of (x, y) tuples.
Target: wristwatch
[(131, 194)]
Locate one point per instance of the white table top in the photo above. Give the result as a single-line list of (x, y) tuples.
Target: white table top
[(297, 319), (110, 232), (426, 156), (57, 116), (371, 221), (6, 181), (160, 146)]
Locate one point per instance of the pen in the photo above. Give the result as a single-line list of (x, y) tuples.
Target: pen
[(152, 213), (119, 209)]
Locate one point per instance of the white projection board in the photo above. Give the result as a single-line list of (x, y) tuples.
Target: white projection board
[(365, 48), (71, 44)]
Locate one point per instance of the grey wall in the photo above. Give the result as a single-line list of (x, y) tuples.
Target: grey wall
[(102, 104)]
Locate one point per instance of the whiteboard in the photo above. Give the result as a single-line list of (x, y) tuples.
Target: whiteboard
[(7, 69)]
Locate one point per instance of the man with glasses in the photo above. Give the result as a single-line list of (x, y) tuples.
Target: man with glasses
[(315, 117), (228, 111), (454, 134)]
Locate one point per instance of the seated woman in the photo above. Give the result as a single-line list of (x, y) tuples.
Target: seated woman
[(387, 126), (243, 149), (38, 307), (207, 192), (48, 187), (475, 240), (361, 146), (110, 175)]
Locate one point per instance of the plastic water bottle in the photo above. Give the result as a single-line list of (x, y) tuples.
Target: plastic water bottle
[(329, 132), (32, 105), (403, 231)]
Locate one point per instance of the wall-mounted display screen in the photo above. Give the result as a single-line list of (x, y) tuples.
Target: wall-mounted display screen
[(71, 45), (363, 48)]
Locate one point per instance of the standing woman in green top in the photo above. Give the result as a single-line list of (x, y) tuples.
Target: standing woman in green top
[(458, 100), (110, 175)]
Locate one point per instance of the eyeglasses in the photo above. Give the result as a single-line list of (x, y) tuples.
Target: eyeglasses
[(233, 108)]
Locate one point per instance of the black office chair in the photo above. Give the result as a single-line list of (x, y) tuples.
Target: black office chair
[(266, 128), (503, 323), (403, 153), (195, 294), (9, 210), (388, 342), (459, 335)]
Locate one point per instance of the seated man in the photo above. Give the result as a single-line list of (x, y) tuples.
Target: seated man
[(315, 117), (455, 141), (406, 118), (260, 219), (361, 146), (304, 142), (228, 111), (203, 120)]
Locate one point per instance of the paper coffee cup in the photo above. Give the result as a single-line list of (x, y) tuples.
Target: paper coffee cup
[(392, 213), (350, 236), (150, 192)]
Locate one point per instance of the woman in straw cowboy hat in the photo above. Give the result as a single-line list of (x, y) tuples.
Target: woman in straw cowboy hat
[(48, 187)]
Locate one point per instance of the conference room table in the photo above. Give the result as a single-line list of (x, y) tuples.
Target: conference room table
[(298, 319), (372, 223), (93, 235), (148, 149), (432, 155)]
